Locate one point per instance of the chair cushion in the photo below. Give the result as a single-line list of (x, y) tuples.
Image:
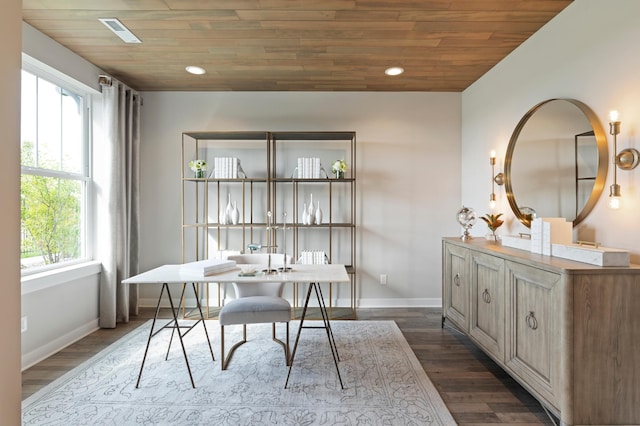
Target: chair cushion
[(254, 310)]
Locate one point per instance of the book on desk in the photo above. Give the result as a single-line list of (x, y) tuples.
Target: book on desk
[(208, 266)]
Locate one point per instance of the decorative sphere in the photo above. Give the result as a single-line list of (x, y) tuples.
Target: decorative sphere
[(466, 217)]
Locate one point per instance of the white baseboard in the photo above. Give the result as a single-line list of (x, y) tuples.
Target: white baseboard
[(45, 351), (400, 303), (362, 303)]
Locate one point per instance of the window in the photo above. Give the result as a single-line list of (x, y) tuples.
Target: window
[(55, 174)]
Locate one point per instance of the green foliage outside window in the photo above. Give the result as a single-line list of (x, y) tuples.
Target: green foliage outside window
[(50, 214)]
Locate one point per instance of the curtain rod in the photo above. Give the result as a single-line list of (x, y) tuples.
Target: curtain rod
[(105, 80)]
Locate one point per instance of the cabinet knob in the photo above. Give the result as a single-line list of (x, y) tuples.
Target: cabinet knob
[(486, 297), (456, 279), (531, 321)]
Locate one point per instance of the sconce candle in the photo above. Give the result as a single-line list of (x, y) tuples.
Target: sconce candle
[(627, 159), (614, 189), (495, 178)]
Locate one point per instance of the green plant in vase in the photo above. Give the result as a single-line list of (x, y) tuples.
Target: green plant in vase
[(199, 167), (339, 167), (493, 222)]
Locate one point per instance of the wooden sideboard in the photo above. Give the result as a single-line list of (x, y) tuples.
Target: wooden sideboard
[(569, 332)]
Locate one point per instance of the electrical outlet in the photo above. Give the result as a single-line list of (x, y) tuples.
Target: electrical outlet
[(383, 279), (23, 324)]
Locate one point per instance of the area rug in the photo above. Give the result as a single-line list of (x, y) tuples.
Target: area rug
[(384, 382)]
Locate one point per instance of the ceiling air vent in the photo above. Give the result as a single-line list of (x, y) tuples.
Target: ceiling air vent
[(120, 30)]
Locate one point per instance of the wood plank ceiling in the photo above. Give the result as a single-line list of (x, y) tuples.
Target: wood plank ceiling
[(295, 45)]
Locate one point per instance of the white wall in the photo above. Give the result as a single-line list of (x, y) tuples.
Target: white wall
[(42, 48), (10, 380), (408, 157), (59, 312), (60, 307), (588, 52)]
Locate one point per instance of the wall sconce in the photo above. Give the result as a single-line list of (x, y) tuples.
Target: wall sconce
[(495, 179), (627, 159)]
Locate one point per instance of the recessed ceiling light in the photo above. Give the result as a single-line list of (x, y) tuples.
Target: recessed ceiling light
[(120, 30), (394, 71), (195, 70)]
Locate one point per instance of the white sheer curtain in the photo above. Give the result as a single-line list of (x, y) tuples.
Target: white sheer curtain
[(116, 175)]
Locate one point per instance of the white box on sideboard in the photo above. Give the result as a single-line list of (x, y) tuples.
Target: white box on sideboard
[(517, 241), (546, 231), (599, 256)]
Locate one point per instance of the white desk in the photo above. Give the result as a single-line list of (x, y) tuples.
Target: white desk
[(176, 274)]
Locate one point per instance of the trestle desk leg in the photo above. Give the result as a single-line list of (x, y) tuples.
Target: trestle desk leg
[(327, 327), (153, 323)]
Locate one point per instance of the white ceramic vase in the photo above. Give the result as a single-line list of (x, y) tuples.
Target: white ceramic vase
[(305, 214), (312, 212), (229, 208), (235, 214), (318, 215), (225, 215)]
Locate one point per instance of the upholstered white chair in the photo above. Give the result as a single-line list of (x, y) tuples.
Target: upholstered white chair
[(256, 303)]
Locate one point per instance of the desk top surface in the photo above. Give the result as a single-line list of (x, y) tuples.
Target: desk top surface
[(300, 273)]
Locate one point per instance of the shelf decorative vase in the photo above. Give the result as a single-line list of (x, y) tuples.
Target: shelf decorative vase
[(199, 168), (305, 215), (318, 215), (235, 214), (225, 216), (312, 212), (338, 168)]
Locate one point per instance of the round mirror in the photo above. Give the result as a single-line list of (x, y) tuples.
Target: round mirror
[(556, 162)]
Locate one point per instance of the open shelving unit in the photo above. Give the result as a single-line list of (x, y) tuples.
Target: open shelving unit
[(269, 182)]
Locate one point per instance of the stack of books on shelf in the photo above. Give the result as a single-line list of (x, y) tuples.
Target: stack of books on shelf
[(309, 168), (208, 266), (317, 257), (226, 167)]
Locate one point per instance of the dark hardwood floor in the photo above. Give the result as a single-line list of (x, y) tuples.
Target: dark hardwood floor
[(475, 389)]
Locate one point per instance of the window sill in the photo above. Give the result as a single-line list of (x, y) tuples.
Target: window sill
[(52, 278)]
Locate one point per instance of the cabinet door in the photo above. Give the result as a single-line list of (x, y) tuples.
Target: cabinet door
[(487, 303), (455, 283), (533, 328)]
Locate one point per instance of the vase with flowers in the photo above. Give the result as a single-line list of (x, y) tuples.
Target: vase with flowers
[(339, 167), (199, 167), (493, 222)]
